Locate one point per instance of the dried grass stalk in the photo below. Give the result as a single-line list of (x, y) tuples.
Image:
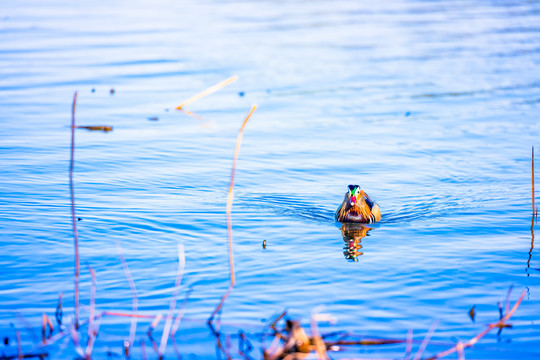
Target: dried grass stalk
[(208, 91)]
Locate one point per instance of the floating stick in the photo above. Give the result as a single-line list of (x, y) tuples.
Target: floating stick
[(208, 91), (75, 237)]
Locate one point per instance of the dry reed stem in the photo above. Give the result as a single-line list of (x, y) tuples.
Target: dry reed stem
[(426, 340), (75, 337), (19, 347), (180, 314), (218, 308), (91, 342), (208, 91), (44, 323), (75, 236), (154, 323), (172, 306), (135, 300), (143, 350), (192, 114), (408, 348), (59, 312), (318, 343), (229, 222), (116, 313), (474, 340), (532, 172), (92, 304), (459, 348), (231, 193)]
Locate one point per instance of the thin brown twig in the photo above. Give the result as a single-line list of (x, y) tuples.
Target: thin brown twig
[(218, 308), (208, 91), (475, 339), (75, 236), (172, 306), (46, 322), (135, 302)]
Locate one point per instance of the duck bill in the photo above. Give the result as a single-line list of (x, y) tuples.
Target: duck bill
[(353, 200)]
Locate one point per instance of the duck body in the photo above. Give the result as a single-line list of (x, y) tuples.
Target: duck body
[(357, 207)]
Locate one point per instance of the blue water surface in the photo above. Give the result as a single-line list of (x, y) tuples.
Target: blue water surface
[(432, 107)]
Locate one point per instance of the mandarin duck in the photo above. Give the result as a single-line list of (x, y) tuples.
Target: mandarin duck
[(357, 207)]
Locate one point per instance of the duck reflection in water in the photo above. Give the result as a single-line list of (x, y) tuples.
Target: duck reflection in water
[(353, 233), (354, 213)]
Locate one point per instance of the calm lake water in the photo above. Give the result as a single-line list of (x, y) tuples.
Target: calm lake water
[(432, 107)]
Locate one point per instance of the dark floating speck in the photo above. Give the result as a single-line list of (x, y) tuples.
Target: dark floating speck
[(241, 93), (155, 118), (472, 313), (407, 113), (79, 219), (264, 244), (112, 91), (6, 341)]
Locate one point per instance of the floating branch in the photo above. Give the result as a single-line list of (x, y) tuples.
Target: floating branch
[(75, 236), (208, 91)]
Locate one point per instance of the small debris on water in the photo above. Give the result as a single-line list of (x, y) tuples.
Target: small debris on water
[(93, 90), (241, 93), (472, 313), (112, 91), (6, 341), (155, 118), (79, 219), (407, 113), (264, 244), (96, 128)]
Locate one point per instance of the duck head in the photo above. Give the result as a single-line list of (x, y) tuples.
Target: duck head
[(354, 193)]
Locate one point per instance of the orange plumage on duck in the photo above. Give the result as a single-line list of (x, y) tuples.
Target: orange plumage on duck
[(358, 207)]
